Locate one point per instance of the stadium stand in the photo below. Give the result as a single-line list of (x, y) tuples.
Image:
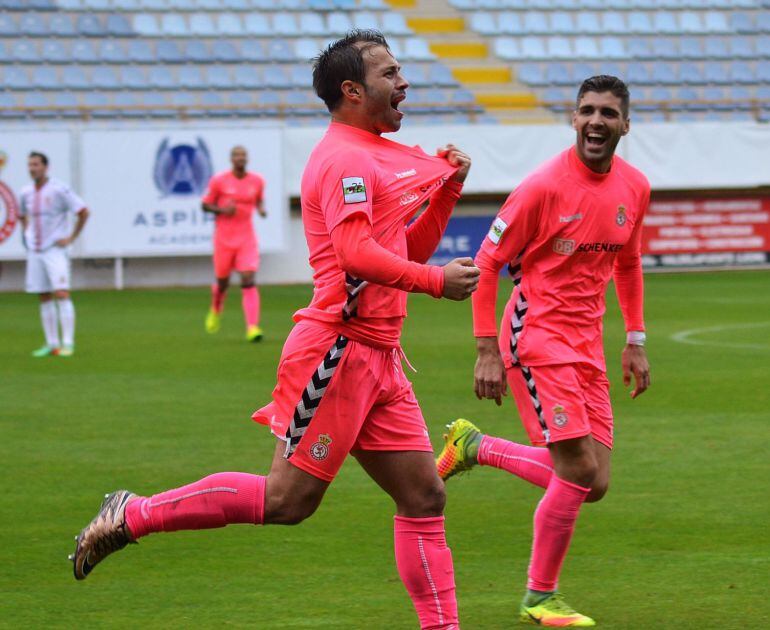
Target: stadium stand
[(467, 60)]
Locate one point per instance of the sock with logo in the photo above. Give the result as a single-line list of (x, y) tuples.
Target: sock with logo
[(531, 463), (67, 320), (250, 302), (554, 521), (50, 322), (214, 501), (424, 563)]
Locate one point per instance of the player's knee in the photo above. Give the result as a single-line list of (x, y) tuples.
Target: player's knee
[(428, 501), (289, 508), (247, 284), (598, 490)]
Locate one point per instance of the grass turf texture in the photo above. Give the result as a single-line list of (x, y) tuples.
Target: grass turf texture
[(151, 402)]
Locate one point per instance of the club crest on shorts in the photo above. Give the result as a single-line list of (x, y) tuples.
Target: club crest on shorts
[(559, 416), (353, 189), (320, 449), (620, 218)]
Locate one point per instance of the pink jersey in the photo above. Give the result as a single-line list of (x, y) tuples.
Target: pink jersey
[(563, 232), (351, 172), (244, 193)]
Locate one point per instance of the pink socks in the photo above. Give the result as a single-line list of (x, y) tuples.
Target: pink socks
[(214, 501), (531, 463), (425, 565), (250, 302), (217, 298), (555, 518)]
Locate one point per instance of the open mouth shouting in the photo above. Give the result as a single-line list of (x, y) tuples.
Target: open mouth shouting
[(396, 101), (596, 139)]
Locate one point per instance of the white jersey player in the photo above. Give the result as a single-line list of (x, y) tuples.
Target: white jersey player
[(47, 207)]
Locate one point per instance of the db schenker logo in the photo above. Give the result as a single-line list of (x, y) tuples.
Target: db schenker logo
[(9, 211)]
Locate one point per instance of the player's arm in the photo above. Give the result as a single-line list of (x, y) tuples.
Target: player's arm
[(362, 257), (629, 286), (261, 208), (210, 200), (513, 228), (424, 234), (76, 204)]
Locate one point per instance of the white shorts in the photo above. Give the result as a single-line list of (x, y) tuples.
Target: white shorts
[(48, 271)]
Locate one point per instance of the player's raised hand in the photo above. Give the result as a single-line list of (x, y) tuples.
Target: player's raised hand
[(456, 157), (489, 373), (634, 361), (461, 278)]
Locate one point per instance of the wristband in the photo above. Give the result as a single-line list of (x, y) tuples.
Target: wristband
[(635, 338)]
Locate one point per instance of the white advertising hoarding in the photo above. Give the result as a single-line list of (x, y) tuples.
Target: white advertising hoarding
[(15, 146), (144, 188)]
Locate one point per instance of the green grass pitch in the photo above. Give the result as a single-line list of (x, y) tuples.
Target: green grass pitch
[(151, 402)]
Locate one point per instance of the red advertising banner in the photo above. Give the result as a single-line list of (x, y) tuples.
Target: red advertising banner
[(707, 232)]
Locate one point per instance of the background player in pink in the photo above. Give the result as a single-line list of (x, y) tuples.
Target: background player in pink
[(341, 386), (564, 232), (232, 196), (46, 208)]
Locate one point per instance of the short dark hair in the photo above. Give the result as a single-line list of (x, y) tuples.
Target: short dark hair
[(43, 157), (343, 61), (606, 83)]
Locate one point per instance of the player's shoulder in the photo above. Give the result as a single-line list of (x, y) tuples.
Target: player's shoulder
[(547, 177), (27, 189), (59, 186), (220, 176), (340, 157), (632, 175)]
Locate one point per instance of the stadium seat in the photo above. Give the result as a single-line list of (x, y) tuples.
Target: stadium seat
[(562, 23), (129, 105), (741, 97), (638, 74), (531, 74), (276, 77), (714, 72), (338, 23), (191, 78), (284, 24), (741, 72), (311, 25), (691, 48), (640, 49), (559, 48), (257, 24), (507, 48), (665, 22), (247, 76), (45, 78), (742, 48), (213, 104), (640, 23), (168, 51), (366, 19), (118, 26), (173, 25), (439, 74), (586, 48), (110, 51), (184, 101), (281, 50), (59, 25), (305, 49), (140, 51), (509, 23), (33, 25), (690, 22), (605, 67), (83, 51), (664, 73), (415, 74), (688, 99), (230, 24), (197, 51), (533, 48), (5, 56), (218, 76), (614, 23), (74, 78), (666, 48), (24, 51), (8, 26), (763, 46), (613, 48), (536, 23), (225, 51), (716, 48), (690, 73), (91, 25), (155, 105), (395, 24), (253, 50), (558, 74), (146, 24), (40, 103), (133, 78), (162, 78), (742, 23), (716, 22), (484, 23), (154, 5), (301, 76), (104, 78), (417, 49), (66, 104)]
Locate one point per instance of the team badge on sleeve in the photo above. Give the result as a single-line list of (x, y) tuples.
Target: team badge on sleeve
[(496, 231), (353, 189)]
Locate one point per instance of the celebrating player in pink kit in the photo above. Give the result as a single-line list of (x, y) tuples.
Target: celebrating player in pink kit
[(232, 196), (341, 386), (564, 232)]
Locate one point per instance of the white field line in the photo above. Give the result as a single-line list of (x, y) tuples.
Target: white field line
[(686, 336)]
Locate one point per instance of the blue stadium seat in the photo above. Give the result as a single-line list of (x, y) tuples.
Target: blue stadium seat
[(97, 5), (33, 24), (562, 23), (230, 24), (16, 78), (162, 78), (690, 22), (536, 22), (118, 26), (415, 74), (60, 24), (74, 78), (8, 26), (196, 51), (257, 24), (111, 51), (586, 48), (253, 50), (91, 25), (741, 72), (5, 56), (608, 67), (213, 104), (690, 73), (40, 103), (311, 25), (666, 48), (218, 76), (640, 49), (321, 5), (637, 74), (276, 77), (613, 48), (129, 103), (185, 101), (689, 100), (691, 48), (714, 94), (247, 76), (168, 51), (556, 99), (306, 49), (395, 24), (587, 23), (225, 51), (417, 49), (45, 78), (614, 23), (301, 76), (281, 50), (716, 48), (742, 48), (581, 70), (25, 51), (716, 22), (191, 78), (559, 48), (742, 23), (66, 103), (661, 95), (714, 72), (173, 25), (665, 73), (202, 24), (156, 106), (763, 46), (665, 22), (439, 74), (140, 51), (84, 51), (284, 23), (9, 106), (510, 23), (104, 78), (507, 48), (558, 74), (133, 78), (154, 5), (366, 19), (146, 24), (741, 97), (533, 48), (531, 74), (484, 23), (338, 23), (640, 23)]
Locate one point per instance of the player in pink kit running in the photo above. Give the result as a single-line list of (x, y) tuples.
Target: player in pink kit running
[(232, 196), (341, 386), (564, 232)]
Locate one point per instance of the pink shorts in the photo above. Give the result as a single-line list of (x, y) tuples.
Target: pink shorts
[(561, 402), (243, 257), (335, 395)]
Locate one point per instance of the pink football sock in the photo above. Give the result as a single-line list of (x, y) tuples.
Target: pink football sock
[(425, 565), (555, 518), (214, 501), (250, 302), (531, 463), (217, 298)]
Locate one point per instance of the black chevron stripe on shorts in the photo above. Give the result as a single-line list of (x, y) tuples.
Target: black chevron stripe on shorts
[(353, 287), (530, 379), (312, 395)]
